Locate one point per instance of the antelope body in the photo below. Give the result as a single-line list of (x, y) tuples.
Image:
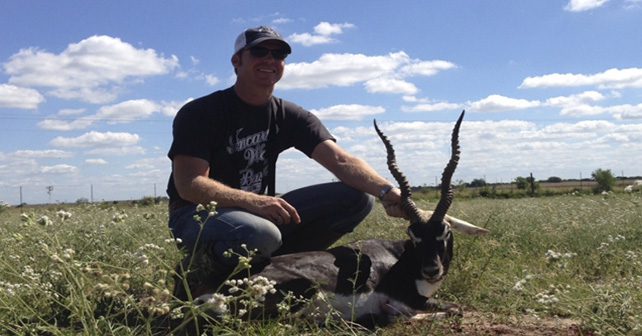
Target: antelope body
[(373, 282)]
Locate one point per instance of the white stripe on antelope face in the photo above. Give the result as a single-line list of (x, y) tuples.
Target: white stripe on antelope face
[(427, 289)]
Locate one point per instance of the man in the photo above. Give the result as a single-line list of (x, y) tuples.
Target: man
[(225, 148)]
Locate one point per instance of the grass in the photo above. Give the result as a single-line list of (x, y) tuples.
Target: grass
[(107, 269)]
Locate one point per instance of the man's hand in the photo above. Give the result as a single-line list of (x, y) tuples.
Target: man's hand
[(275, 209), (392, 204)]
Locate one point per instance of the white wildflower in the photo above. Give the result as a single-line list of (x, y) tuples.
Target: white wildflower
[(64, 215), (216, 302), (68, 253), (631, 255), (150, 246), (552, 256), (44, 221), (519, 285), (56, 258), (119, 217), (546, 299)]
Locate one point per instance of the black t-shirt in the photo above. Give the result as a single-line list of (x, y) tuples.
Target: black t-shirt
[(241, 142)]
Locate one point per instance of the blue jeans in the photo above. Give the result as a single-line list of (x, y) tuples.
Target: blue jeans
[(328, 211)]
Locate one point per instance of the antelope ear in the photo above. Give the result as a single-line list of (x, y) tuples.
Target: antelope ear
[(465, 227)]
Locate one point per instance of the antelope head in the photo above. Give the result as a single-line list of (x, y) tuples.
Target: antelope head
[(430, 234)]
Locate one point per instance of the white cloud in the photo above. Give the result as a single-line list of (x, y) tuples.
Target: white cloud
[(280, 21), (212, 80), (93, 139), (91, 70), (499, 103), (632, 4), (150, 164), (576, 99), (390, 85), (348, 112), (65, 125), (127, 111), (70, 112), (584, 5), (59, 169), (414, 99), (624, 111), (170, 108), (426, 68), (432, 107), (322, 34), (124, 112), (12, 96), (124, 150), (350, 69), (326, 28), (39, 154), (338, 70), (609, 79), (308, 39), (96, 162)]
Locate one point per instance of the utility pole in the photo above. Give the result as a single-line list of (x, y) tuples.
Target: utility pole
[(580, 181), (49, 191)]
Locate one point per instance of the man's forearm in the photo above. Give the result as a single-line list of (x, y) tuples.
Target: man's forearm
[(358, 174), (203, 190)]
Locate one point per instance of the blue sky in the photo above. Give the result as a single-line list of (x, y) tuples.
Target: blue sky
[(88, 89)]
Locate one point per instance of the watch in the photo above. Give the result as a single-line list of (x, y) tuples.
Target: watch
[(384, 191)]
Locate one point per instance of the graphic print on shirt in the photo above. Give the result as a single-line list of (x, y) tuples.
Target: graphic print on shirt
[(252, 149)]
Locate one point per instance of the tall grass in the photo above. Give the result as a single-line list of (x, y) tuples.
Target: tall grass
[(107, 269)]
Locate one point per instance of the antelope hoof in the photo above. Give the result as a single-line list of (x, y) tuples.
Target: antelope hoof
[(448, 308)]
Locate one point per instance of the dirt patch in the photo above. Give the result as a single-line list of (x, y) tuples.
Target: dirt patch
[(477, 323)]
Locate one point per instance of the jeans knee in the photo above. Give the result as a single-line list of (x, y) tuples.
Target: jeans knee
[(264, 241)]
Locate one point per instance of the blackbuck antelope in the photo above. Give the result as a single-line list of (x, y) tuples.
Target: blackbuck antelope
[(373, 282)]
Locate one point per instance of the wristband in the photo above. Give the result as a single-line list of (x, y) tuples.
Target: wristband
[(384, 191)]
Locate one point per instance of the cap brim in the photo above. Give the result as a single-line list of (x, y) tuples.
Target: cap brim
[(263, 39)]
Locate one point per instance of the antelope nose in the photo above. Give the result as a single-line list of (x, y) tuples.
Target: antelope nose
[(431, 272)]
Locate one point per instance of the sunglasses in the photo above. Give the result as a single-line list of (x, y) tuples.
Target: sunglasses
[(260, 52)]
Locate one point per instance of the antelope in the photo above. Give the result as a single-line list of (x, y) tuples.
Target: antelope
[(374, 282)]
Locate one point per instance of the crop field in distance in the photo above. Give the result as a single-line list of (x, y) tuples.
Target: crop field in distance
[(561, 265)]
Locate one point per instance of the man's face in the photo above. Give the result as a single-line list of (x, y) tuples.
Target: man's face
[(261, 70)]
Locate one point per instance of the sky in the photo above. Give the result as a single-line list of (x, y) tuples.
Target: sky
[(89, 89)]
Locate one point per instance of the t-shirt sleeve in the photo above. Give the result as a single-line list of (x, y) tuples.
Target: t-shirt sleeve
[(192, 133), (308, 130)]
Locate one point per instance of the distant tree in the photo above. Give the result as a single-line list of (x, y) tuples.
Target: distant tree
[(521, 182), (82, 200), (554, 179), (605, 180), (478, 183)]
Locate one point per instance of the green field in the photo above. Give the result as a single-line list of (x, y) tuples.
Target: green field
[(563, 264)]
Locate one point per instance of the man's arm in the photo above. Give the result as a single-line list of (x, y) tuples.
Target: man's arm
[(358, 174), (191, 177)]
